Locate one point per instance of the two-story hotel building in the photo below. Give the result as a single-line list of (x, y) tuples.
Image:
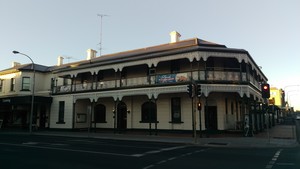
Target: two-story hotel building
[(147, 89), (139, 89)]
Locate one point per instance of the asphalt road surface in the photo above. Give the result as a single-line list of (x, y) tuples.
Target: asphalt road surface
[(50, 152)]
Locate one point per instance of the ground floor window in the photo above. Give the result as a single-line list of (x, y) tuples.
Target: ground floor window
[(176, 110), (100, 114), (61, 112), (149, 112)]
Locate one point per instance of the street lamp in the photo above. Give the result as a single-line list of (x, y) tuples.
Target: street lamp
[(33, 88)]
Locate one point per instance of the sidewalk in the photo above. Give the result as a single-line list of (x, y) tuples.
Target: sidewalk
[(277, 136)]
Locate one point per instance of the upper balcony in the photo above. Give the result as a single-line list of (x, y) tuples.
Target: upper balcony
[(216, 77), (168, 64)]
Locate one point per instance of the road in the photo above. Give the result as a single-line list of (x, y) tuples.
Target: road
[(49, 152)]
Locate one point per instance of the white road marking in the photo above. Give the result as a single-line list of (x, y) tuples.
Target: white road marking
[(285, 164), (174, 158), (31, 145), (273, 160), (158, 151)]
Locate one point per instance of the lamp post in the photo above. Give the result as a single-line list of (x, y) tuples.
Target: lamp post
[(33, 88)]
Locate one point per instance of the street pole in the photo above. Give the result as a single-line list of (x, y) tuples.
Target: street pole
[(33, 88), (200, 124), (194, 121)]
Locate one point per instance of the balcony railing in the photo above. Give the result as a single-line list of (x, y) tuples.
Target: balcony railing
[(215, 76)]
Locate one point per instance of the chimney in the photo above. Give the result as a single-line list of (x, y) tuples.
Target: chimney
[(91, 54), (60, 60), (175, 36), (14, 64)]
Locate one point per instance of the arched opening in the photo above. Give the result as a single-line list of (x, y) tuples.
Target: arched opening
[(121, 116), (100, 113), (149, 112)]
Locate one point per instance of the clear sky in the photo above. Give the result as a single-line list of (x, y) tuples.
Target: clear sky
[(45, 29)]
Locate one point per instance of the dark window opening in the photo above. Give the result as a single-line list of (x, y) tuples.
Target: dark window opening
[(149, 112), (176, 110), (12, 84), (175, 66), (100, 114), (61, 112)]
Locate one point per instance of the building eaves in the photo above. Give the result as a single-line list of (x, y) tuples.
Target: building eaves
[(183, 46), (26, 67), (137, 54)]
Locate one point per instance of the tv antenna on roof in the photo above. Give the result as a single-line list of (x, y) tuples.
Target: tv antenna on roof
[(100, 44), (68, 58)]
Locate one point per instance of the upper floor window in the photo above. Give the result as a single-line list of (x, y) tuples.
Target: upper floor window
[(12, 84), (1, 84), (100, 76), (26, 83), (151, 71), (123, 73), (65, 81), (175, 66)]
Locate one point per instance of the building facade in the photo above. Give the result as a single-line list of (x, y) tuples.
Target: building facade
[(16, 95), (142, 89), (147, 89)]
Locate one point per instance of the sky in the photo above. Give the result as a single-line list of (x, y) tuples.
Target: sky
[(46, 29)]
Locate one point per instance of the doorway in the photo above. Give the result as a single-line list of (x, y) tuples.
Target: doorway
[(122, 116), (211, 118), (43, 119)]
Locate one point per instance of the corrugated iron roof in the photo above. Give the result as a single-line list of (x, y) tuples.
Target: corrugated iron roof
[(147, 52)]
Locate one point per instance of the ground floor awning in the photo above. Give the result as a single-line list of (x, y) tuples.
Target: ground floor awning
[(24, 100)]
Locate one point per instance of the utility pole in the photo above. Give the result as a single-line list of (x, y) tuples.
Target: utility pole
[(100, 43)]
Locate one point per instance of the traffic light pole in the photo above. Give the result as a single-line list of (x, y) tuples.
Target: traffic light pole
[(194, 89), (194, 121), (200, 124)]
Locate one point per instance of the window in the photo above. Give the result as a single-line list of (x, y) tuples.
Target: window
[(151, 71), (175, 66), (123, 73), (232, 111), (65, 81), (61, 112), (149, 112), (12, 84), (100, 76), (26, 83), (176, 110), (81, 118), (1, 85), (226, 106), (100, 114)]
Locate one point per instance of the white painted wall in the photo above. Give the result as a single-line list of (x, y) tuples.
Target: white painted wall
[(68, 118)]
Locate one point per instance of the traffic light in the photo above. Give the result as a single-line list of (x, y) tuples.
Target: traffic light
[(190, 90), (199, 93), (265, 90), (199, 105)]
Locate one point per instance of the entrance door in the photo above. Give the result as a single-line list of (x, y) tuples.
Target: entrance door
[(121, 116), (43, 117), (211, 120)]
